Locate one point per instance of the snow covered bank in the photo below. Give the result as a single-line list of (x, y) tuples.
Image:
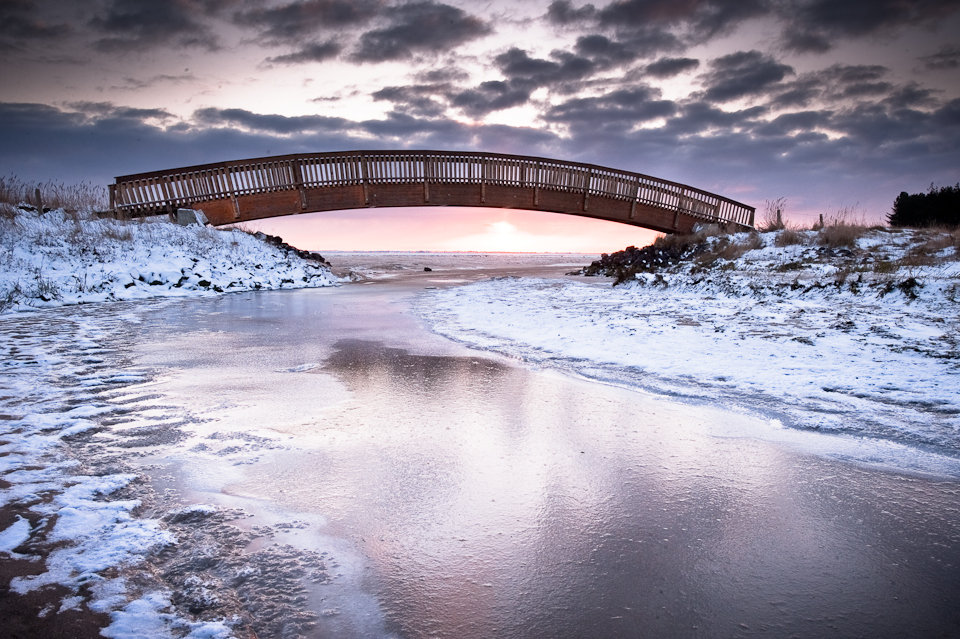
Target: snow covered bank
[(799, 332), (58, 258), (78, 529)]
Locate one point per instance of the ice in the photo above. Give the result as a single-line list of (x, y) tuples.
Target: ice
[(823, 358)]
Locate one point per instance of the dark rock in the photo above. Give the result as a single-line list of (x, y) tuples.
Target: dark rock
[(625, 264), (274, 240)]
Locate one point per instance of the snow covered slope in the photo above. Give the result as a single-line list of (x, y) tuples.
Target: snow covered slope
[(58, 258), (861, 340)]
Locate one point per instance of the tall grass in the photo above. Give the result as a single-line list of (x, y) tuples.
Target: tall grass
[(773, 215), (54, 195), (843, 228)]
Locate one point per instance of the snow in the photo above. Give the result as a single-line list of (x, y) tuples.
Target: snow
[(58, 258), (877, 360), (146, 617), (90, 531), (16, 534), (867, 361)]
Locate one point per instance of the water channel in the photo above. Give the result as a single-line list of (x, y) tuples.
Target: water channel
[(462, 494)]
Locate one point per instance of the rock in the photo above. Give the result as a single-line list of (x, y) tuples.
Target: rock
[(186, 217), (273, 240)]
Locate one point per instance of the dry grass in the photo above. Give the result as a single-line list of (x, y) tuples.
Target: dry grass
[(54, 195), (930, 252), (681, 241), (789, 237), (730, 250), (773, 215), (843, 228)]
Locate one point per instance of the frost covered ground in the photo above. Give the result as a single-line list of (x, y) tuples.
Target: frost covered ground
[(861, 340), (77, 522), (60, 258)]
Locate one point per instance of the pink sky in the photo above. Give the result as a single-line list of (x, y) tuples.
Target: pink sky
[(452, 229)]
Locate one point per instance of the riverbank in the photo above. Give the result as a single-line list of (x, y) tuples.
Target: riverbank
[(354, 475), (59, 258), (861, 340)]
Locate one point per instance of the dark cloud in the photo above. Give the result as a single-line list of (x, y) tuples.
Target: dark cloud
[(137, 24), (911, 96), (793, 123), (642, 41), (620, 110), (489, 96), (814, 26), (837, 83), (272, 124), (742, 74), (701, 117), (20, 20), (669, 67), (600, 47), (945, 59), (799, 93), (416, 100), (854, 74), (948, 116), (109, 109), (562, 12), (444, 74), (531, 73), (313, 52), (419, 27), (297, 21), (704, 19)]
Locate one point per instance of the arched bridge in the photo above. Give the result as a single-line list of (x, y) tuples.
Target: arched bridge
[(244, 190)]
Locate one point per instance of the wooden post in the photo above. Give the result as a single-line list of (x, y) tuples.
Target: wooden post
[(364, 179), (426, 179), (36, 192), (298, 182), (536, 187), (483, 181), (586, 188)]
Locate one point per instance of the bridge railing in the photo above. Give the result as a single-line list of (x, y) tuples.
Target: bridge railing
[(154, 193)]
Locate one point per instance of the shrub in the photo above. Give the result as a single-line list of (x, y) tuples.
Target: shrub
[(936, 207)]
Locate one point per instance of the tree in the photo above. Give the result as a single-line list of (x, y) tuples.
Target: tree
[(937, 207)]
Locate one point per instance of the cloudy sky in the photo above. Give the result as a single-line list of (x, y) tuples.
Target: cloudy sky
[(827, 104)]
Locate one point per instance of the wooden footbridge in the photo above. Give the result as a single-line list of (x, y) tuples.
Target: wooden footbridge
[(243, 190)]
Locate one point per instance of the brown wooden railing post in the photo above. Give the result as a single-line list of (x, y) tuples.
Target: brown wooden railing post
[(363, 178), (426, 178), (586, 188)]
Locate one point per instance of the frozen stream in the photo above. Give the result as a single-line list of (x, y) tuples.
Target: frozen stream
[(459, 494)]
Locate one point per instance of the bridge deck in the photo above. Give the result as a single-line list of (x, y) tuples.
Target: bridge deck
[(303, 183)]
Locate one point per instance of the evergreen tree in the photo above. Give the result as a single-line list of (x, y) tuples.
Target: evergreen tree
[(937, 207)]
